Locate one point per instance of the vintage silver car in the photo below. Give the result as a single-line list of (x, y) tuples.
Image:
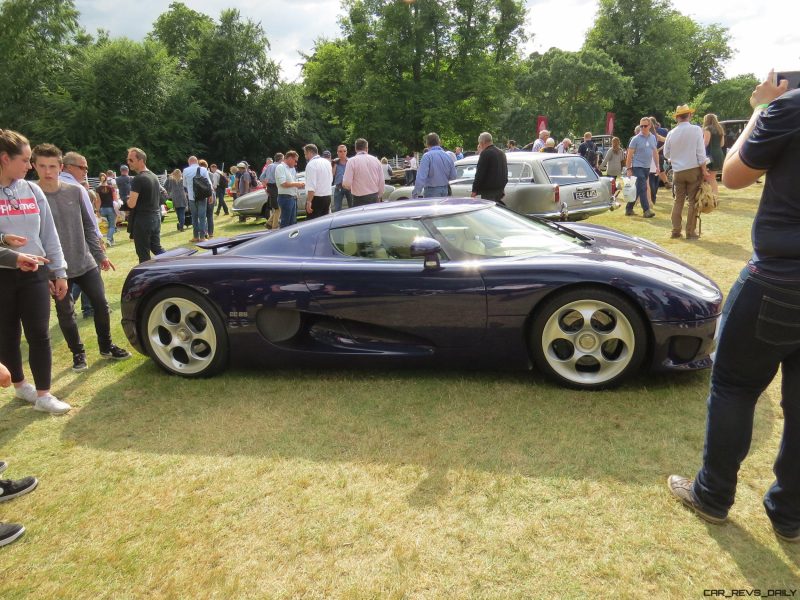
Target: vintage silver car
[(254, 204), (554, 186)]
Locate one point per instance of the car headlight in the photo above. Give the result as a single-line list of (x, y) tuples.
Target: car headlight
[(704, 291)]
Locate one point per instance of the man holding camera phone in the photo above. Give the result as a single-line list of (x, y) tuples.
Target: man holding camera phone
[(760, 325)]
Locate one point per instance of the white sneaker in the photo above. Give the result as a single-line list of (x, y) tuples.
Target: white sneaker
[(26, 392), (50, 404)]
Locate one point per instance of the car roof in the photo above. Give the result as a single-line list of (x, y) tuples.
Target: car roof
[(406, 209), (523, 156)]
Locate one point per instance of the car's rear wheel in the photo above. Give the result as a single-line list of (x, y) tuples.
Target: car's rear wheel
[(588, 338), (184, 334)]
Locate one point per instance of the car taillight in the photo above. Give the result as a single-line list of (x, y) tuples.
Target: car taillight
[(556, 194), (613, 186)]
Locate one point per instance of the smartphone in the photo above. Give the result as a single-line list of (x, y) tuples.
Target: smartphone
[(793, 77)]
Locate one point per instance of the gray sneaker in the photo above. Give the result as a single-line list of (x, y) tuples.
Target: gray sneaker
[(26, 392), (681, 488), (50, 404)]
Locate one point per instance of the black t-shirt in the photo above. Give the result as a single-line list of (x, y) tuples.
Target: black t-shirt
[(146, 185), (774, 146), (106, 193)]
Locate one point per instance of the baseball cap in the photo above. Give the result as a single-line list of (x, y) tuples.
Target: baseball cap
[(242, 165)]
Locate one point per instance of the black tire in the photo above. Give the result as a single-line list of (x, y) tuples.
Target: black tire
[(595, 355), (242, 219), (265, 211), (178, 312)]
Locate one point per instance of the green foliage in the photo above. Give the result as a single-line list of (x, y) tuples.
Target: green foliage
[(728, 99), (668, 56), (398, 71), (148, 102), (404, 70), (179, 29), (574, 90), (36, 41), (240, 89)]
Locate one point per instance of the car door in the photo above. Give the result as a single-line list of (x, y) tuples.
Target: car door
[(367, 275)]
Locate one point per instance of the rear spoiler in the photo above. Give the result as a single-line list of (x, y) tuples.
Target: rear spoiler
[(215, 244)]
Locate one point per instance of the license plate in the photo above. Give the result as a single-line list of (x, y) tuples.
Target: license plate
[(585, 194)]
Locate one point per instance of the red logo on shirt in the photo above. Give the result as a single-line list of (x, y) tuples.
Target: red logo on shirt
[(23, 206)]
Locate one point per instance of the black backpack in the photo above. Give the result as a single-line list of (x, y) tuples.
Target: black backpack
[(201, 186), (591, 153)]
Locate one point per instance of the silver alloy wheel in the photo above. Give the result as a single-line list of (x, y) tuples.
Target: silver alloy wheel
[(588, 342), (181, 336)]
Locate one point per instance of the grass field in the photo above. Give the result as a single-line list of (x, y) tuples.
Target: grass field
[(390, 484)]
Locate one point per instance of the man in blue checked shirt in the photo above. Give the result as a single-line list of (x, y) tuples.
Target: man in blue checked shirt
[(436, 170)]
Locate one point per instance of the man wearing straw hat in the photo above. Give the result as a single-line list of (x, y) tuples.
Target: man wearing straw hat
[(685, 150)]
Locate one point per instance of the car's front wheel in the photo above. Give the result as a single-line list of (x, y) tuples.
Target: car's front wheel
[(588, 338), (184, 334)]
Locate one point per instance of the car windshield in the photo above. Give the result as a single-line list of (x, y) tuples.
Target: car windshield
[(515, 171), (569, 170), (498, 232)]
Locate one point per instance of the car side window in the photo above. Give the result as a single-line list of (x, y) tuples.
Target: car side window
[(569, 170), (379, 241)]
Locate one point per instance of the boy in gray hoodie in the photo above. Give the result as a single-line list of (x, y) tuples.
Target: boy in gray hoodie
[(84, 255)]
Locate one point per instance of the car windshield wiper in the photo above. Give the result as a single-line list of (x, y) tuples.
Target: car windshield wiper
[(561, 228)]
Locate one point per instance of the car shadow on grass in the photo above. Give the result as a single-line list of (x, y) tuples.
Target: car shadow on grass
[(500, 422)]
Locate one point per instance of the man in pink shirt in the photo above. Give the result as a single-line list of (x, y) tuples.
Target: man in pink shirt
[(363, 176)]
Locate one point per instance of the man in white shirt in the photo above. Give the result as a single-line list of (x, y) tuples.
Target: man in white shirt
[(685, 150), (540, 141), (319, 179)]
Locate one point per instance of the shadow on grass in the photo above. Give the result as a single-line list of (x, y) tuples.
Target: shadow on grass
[(507, 422), (724, 249), (760, 565)]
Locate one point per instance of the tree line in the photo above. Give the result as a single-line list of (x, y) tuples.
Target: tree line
[(204, 85)]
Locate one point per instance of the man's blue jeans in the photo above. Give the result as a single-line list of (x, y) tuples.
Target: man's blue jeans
[(759, 332), (642, 174), (199, 223), (288, 206), (110, 215), (434, 191), (338, 194)]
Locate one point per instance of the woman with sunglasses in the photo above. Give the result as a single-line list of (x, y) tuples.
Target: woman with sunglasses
[(25, 295)]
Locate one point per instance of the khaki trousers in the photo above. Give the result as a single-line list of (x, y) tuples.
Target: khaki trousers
[(275, 218), (686, 184)]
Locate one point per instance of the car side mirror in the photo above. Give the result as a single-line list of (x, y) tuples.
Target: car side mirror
[(430, 249)]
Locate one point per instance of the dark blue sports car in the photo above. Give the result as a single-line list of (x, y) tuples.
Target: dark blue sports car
[(453, 281)]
